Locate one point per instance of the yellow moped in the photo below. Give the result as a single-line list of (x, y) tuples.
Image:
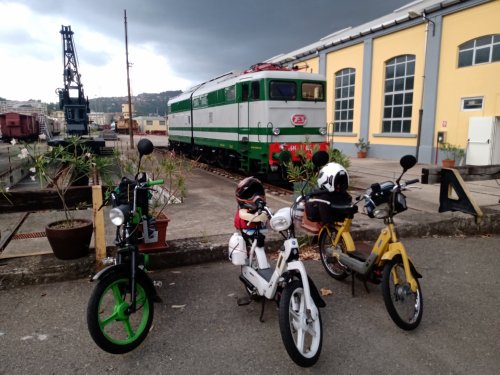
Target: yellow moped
[(388, 262)]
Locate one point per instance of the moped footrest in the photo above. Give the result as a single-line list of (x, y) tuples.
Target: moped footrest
[(359, 255), (266, 273), (243, 301)]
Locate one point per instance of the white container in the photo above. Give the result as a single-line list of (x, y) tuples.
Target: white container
[(237, 251)]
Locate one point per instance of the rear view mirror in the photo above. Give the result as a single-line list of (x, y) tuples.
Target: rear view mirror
[(407, 162), (145, 147), (320, 158)]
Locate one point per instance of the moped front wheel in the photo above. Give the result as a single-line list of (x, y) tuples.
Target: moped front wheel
[(112, 325), (404, 306), (331, 263), (302, 336)]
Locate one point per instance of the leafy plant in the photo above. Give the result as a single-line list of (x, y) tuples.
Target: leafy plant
[(173, 169), (361, 145), (306, 172), (452, 152), (61, 167)]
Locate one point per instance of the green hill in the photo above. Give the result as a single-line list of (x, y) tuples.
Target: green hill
[(144, 104)]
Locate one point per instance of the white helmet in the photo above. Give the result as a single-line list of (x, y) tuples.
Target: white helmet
[(333, 177)]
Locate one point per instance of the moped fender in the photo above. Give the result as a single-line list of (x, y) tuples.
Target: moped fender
[(349, 242), (311, 304), (125, 268), (398, 249), (320, 302), (106, 270)]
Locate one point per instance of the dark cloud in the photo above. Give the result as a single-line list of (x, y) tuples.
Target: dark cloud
[(203, 39)]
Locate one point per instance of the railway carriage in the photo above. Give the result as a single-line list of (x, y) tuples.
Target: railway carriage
[(20, 126), (254, 121)]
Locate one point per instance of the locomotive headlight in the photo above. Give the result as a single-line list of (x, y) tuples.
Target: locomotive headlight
[(322, 131), (276, 131)]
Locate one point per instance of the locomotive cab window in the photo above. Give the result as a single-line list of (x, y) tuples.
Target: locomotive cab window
[(312, 91), (255, 90), (282, 90), (244, 91)]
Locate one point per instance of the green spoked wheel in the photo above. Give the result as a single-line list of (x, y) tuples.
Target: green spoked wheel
[(111, 324)]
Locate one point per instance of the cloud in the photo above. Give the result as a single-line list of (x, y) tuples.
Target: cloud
[(172, 44)]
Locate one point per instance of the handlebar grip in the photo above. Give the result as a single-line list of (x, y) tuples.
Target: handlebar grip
[(155, 182), (414, 181)]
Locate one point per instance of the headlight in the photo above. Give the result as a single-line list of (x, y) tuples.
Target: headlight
[(281, 220), (117, 216), (322, 131), (381, 211), (276, 131)]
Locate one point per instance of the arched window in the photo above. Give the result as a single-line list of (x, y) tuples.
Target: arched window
[(344, 100), (398, 94), (485, 49)]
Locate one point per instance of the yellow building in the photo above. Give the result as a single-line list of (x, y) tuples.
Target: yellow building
[(427, 73), (126, 111)]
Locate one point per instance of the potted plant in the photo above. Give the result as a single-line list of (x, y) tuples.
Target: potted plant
[(300, 173), (362, 147), (305, 172), (173, 169), (452, 154), (60, 168)]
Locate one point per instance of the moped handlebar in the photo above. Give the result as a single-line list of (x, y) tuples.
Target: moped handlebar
[(410, 182), (155, 182)]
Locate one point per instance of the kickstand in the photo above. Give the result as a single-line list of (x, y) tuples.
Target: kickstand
[(364, 283), (262, 310)]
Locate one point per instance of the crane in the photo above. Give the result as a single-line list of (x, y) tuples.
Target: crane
[(71, 98)]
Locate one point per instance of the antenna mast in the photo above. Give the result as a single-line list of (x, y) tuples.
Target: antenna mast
[(131, 132)]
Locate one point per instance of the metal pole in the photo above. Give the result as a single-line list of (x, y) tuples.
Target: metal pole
[(130, 129), (421, 110)]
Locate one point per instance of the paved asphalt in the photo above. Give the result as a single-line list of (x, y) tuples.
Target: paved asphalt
[(199, 329)]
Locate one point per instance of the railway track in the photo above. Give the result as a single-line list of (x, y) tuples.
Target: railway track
[(270, 189)]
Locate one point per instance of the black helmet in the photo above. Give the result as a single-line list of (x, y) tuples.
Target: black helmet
[(250, 191)]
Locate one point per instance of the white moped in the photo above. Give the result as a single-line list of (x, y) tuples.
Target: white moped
[(287, 282)]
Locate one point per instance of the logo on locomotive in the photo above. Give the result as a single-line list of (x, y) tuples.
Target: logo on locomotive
[(298, 119)]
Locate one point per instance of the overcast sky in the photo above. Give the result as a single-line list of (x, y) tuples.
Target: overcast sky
[(173, 44)]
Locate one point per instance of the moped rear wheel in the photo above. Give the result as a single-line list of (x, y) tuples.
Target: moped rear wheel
[(331, 263), (112, 326), (404, 306), (302, 336)]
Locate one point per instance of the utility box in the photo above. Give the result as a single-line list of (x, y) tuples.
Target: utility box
[(483, 144)]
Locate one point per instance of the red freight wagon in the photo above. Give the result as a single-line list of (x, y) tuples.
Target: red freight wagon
[(19, 126)]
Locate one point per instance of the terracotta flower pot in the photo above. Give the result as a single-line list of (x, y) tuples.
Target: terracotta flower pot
[(70, 242), (361, 154), (161, 244), (448, 163)]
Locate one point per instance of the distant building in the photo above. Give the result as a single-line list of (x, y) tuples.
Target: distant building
[(125, 110), (101, 118), (152, 124)]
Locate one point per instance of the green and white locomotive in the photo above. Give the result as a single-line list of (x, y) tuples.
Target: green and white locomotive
[(254, 121)]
